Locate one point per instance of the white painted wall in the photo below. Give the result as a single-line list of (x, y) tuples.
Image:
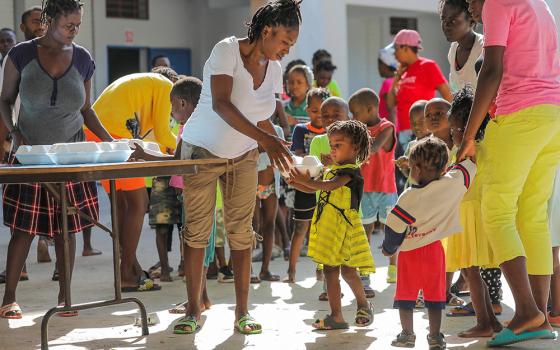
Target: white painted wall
[(7, 14)]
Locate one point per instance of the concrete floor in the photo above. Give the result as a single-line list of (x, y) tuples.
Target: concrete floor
[(286, 311)]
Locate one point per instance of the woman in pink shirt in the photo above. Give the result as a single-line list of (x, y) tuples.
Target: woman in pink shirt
[(522, 143)]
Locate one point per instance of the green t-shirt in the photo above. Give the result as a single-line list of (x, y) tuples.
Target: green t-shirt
[(319, 145)]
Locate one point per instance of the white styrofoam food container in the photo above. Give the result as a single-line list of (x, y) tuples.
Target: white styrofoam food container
[(34, 155), (307, 163)]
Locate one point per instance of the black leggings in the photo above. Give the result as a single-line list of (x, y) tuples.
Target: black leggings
[(492, 278)]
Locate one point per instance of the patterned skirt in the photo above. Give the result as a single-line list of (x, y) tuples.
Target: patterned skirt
[(30, 208)]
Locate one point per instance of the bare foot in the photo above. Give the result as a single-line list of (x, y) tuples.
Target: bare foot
[(43, 252), (497, 326), (291, 278), (181, 308), (91, 252), (536, 322), (478, 331), (166, 277)]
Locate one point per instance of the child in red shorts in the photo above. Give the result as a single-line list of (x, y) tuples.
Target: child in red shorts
[(424, 214)]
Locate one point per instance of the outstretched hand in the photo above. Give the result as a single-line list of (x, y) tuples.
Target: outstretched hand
[(139, 154), (299, 177), (277, 150)]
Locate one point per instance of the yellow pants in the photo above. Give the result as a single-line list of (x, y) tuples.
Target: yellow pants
[(522, 152)]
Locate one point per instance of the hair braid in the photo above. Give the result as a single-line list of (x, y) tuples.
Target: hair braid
[(430, 154), (54, 8), (277, 12), (357, 132)]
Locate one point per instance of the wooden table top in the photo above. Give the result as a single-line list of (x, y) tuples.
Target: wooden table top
[(93, 172)]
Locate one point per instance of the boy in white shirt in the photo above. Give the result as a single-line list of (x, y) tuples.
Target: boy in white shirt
[(425, 213)]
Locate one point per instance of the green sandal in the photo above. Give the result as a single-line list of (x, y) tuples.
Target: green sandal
[(248, 321), (364, 314), (187, 321)]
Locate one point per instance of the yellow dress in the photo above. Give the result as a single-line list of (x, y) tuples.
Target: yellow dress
[(470, 247), (337, 236)]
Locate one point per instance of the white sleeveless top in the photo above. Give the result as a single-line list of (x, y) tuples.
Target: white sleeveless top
[(458, 79)]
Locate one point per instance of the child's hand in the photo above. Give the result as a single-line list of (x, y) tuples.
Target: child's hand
[(326, 159), (402, 163), (139, 153), (299, 177)]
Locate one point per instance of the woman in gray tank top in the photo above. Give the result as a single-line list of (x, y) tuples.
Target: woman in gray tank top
[(52, 76)]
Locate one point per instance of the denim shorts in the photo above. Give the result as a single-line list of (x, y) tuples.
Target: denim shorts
[(376, 204)]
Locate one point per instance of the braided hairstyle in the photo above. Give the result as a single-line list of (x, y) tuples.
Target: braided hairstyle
[(430, 154), (54, 8), (276, 13), (357, 132), (167, 72), (461, 108), (320, 93), (462, 5)]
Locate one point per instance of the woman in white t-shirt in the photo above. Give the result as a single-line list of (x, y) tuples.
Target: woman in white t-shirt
[(466, 45), (241, 78)]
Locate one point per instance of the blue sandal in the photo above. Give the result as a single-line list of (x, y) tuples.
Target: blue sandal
[(508, 337)]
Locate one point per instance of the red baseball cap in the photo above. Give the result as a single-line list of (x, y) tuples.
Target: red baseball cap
[(408, 37)]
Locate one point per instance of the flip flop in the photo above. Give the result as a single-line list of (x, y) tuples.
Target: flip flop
[(370, 293), (247, 321), (508, 337), (187, 321), (269, 277), (145, 285), (366, 314), (328, 324), (72, 313), (461, 311), (11, 311)]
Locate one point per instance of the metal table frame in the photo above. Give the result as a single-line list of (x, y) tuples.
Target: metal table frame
[(60, 175)]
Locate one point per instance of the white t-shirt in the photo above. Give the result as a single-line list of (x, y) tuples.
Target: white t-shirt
[(205, 128), (430, 213), (458, 79), (17, 103)]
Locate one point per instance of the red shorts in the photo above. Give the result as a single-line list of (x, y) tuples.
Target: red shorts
[(421, 269), (129, 184)]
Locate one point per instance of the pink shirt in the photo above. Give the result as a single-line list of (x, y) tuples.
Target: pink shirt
[(177, 180), (379, 171), (385, 87), (527, 30)]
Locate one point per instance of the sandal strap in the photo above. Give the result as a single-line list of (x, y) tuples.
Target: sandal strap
[(248, 321), (187, 321)]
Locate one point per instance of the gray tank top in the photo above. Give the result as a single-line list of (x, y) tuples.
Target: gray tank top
[(50, 107)]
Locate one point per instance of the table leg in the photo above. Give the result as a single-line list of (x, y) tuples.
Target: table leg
[(116, 266), (117, 260)]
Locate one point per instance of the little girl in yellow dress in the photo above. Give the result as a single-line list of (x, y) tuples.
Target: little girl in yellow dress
[(337, 238)]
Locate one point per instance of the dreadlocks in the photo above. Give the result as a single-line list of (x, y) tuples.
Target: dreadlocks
[(284, 13), (54, 8), (430, 154), (357, 132)]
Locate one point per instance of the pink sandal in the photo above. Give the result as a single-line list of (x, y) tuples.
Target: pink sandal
[(71, 313), (11, 311)]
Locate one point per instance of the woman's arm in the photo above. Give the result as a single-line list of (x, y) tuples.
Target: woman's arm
[(221, 103), (91, 120), (392, 94), (489, 81), (10, 90), (282, 119)]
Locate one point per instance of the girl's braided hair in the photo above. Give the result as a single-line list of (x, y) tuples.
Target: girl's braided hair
[(430, 154), (461, 108), (53, 8), (284, 13), (357, 132)]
